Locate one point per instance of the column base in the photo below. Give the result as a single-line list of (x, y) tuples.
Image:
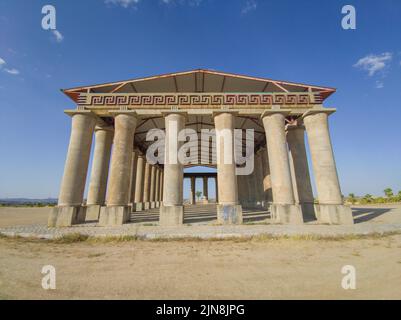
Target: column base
[(286, 213), (114, 216), (171, 216), (308, 211), (146, 205), (152, 205), (248, 204), (334, 214), (136, 207), (262, 204), (92, 212), (157, 204), (229, 214), (66, 216)]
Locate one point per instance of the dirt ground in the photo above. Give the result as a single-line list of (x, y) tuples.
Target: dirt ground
[(252, 269), (13, 216)]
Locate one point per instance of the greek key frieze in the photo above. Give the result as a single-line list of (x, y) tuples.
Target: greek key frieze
[(198, 99)]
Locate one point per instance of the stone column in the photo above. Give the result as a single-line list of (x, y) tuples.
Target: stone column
[(331, 208), (216, 184), (132, 185), (228, 209), (250, 194), (172, 210), (146, 186), (69, 210), (161, 187), (117, 211), (100, 172), (157, 188), (153, 187), (300, 170), (267, 185), (193, 191), (140, 172), (242, 183), (258, 180), (283, 209), (206, 189)]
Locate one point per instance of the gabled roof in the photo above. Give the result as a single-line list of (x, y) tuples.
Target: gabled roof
[(198, 81)]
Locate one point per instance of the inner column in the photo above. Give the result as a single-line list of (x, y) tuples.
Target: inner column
[(99, 172), (193, 191), (283, 210), (140, 173), (300, 170), (206, 189)]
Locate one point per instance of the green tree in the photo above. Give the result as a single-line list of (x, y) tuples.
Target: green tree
[(368, 197), (198, 194), (352, 198), (388, 192)]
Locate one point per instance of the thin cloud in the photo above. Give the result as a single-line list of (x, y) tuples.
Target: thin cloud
[(379, 84), (12, 71), (58, 36), (134, 3), (193, 3), (250, 5), (374, 63), (123, 3)]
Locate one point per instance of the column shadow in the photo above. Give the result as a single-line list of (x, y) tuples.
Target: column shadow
[(365, 214)]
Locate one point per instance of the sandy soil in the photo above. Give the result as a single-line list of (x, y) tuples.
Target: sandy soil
[(269, 269), (12, 216), (254, 269)]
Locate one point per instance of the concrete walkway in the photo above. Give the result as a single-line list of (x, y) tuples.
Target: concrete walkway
[(200, 223)]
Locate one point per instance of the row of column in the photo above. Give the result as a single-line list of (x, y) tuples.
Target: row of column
[(289, 191), (229, 211), (145, 180), (133, 184), (254, 190), (281, 178), (147, 184), (205, 190), (289, 174)]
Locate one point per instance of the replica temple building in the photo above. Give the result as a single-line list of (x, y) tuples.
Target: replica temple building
[(117, 117)]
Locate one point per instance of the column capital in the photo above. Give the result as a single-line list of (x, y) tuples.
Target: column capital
[(232, 112), (124, 112), (310, 112), (176, 112), (73, 112), (268, 112)]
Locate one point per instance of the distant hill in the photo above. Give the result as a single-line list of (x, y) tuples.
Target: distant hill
[(20, 201)]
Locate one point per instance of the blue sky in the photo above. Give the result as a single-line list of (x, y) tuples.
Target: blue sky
[(100, 41)]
